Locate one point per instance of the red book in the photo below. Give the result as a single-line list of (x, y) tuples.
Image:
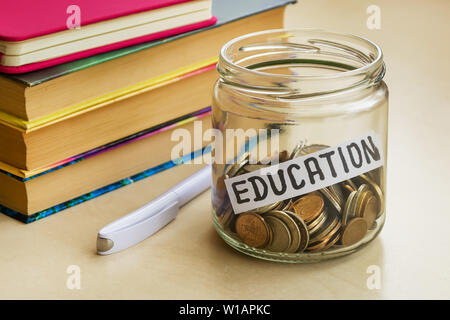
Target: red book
[(38, 34)]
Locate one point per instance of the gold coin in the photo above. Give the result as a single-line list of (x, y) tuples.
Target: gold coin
[(281, 237), (326, 243), (304, 234), (329, 225), (316, 246), (360, 205), (319, 220), (354, 231), (349, 188), (308, 207), (269, 242), (346, 213), (360, 198), (292, 226), (377, 191), (333, 240), (252, 229), (322, 244), (317, 193), (370, 210), (279, 206), (351, 184), (335, 230), (352, 207)]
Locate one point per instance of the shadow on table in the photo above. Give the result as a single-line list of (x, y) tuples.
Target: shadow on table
[(356, 276)]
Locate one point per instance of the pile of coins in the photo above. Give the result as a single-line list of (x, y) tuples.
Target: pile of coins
[(338, 215)]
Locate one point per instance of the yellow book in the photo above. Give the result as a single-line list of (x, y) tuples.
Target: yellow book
[(107, 119)]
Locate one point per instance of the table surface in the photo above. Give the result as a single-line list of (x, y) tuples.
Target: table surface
[(187, 259)]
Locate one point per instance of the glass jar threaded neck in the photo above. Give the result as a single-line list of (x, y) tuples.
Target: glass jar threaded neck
[(294, 64)]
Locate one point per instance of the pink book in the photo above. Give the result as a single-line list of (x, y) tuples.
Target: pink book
[(39, 34)]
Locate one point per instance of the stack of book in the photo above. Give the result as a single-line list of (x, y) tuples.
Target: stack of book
[(88, 110)]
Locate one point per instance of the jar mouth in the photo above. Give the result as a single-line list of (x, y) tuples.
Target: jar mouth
[(295, 63)]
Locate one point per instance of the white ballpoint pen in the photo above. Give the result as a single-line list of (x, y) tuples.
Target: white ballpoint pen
[(145, 221)]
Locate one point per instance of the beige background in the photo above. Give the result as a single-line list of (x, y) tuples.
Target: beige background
[(188, 260)]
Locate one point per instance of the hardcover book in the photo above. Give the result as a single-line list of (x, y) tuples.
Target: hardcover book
[(32, 195), (35, 144), (77, 29), (50, 136), (25, 96)]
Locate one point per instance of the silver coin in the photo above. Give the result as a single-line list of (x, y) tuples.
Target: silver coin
[(320, 223), (320, 219), (331, 223), (287, 205), (268, 207), (312, 148), (292, 226), (359, 192), (346, 212), (352, 208), (331, 198), (337, 191), (233, 169), (304, 234), (377, 191), (298, 148), (359, 198), (279, 206), (281, 237)]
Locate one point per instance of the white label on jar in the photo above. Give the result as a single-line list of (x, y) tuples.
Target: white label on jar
[(305, 174)]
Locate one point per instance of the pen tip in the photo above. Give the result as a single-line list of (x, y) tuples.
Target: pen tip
[(104, 245)]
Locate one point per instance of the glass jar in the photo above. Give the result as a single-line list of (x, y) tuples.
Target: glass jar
[(300, 119)]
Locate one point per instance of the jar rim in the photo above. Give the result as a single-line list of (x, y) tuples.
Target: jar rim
[(371, 71)]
